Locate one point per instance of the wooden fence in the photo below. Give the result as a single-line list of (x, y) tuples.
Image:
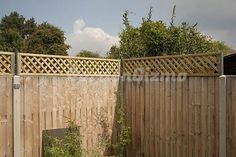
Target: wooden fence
[(51, 95), (171, 118), (31, 64), (6, 141), (173, 106), (49, 102), (171, 102), (231, 116)]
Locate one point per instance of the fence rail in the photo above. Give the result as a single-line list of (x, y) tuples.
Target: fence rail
[(192, 65)]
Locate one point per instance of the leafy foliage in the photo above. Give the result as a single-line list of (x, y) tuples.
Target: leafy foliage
[(69, 146), (11, 40), (86, 53), (18, 33), (47, 39), (114, 53), (19, 23), (154, 38), (124, 133)]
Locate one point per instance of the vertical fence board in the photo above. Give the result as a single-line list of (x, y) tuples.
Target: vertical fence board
[(167, 117), (234, 118), (173, 118), (157, 118), (6, 143), (138, 119), (185, 118), (129, 112), (204, 97), (217, 134), (162, 118), (197, 114), (231, 116), (133, 122), (152, 120), (147, 117), (179, 119), (142, 111)]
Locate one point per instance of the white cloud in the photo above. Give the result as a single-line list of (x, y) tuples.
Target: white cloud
[(90, 38)]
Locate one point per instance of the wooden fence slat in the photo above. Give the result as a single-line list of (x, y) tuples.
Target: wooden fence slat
[(210, 116), (138, 119), (233, 123), (173, 118), (147, 117), (27, 114), (5, 116), (229, 116), (157, 118), (217, 120), (167, 117), (204, 105), (22, 125), (142, 108), (129, 112), (152, 120), (191, 118), (197, 109), (179, 119), (185, 117), (162, 119)]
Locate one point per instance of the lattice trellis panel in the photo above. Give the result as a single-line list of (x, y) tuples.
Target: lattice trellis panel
[(192, 65), (5, 63), (60, 65)]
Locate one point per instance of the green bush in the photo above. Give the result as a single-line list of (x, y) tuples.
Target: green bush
[(69, 146)]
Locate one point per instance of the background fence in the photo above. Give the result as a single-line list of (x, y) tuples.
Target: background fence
[(172, 102)]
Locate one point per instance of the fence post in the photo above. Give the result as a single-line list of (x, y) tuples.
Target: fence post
[(16, 109), (222, 116)]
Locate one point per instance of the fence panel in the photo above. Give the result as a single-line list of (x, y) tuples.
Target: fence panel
[(49, 102), (172, 118), (231, 116), (6, 141)]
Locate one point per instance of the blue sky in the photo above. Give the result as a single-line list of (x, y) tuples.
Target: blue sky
[(89, 23)]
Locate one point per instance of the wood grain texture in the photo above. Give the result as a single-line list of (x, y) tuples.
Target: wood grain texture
[(231, 116), (6, 126), (49, 102), (180, 118)]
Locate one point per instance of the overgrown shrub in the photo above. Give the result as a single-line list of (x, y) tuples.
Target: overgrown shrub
[(69, 146)]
